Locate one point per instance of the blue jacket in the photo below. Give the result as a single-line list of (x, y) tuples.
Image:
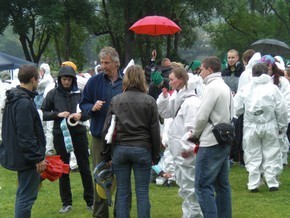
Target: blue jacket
[(23, 140), (99, 87)]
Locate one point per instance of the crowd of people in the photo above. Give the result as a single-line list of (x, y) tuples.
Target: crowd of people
[(164, 120)]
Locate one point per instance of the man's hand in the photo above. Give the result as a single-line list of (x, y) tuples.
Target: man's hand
[(98, 105), (40, 167), (153, 55)]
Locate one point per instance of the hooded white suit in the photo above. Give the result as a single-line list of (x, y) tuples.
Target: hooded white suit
[(182, 106), (265, 114)]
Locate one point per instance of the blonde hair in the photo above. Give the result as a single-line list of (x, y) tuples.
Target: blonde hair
[(177, 64), (135, 78)]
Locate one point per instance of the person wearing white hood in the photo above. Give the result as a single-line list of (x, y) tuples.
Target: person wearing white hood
[(182, 106), (44, 80), (247, 74), (265, 117), (282, 83), (250, 58)]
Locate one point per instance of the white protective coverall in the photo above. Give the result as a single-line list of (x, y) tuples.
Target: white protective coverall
[(246, 76), (265, 114), (182, 106), (48, 125), (3, 88), (168, 164), (284, 87)]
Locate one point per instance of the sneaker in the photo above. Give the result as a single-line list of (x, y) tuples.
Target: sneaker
[(255, 190), (273, 189), (65, 209), (90, 208)]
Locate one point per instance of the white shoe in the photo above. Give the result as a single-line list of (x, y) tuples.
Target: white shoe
[(65, 209)]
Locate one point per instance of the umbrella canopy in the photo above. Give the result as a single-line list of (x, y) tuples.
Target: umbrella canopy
[(155, 26), (8, 62), (55, 167), (271, 46)]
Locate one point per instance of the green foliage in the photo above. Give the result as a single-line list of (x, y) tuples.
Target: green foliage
[(244, 22), (62, 30)]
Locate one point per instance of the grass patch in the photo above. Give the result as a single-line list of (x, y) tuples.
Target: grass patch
[(165, 201)]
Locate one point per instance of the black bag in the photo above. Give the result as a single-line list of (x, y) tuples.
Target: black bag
[(224, 133)]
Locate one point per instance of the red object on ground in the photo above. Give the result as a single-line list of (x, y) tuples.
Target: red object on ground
[(155, 26), (55, 167)]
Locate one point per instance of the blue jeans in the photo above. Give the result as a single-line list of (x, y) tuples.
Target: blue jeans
[(124, 159), (28, 182), (212, 181)]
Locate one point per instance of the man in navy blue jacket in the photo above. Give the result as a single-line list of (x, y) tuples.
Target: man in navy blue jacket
[(23, 145), (97, 95)]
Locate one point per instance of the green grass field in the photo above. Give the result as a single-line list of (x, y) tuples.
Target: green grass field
[(164, 201)]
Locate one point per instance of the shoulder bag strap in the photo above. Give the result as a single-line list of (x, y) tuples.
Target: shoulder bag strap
[(209, 120)]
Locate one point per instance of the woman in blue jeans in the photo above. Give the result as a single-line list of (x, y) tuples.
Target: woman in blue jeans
[(136, 143)]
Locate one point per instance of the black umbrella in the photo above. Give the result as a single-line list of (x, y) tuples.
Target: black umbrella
[(271, 46)]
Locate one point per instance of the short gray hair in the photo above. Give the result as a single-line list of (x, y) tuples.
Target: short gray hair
[(259, 69), (110, 51)]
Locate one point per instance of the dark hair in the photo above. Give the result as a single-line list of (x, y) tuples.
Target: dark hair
[(276, 74), (288, 71), (247, 55), (26, 73), (259, 69), (212, 62)]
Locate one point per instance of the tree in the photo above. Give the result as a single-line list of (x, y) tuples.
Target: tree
[(115, 18), (34, 32), (244, 22), (38, 21)]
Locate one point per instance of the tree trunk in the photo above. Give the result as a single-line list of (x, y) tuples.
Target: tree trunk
[(67, 39), (168, 46), (129, 43), (22, 39)]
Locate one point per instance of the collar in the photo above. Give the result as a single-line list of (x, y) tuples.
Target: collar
[(212, 77)]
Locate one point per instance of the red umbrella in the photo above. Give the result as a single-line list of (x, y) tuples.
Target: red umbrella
[(54, 168), (155, 26)]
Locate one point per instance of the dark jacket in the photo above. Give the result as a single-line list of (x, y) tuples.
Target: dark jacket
[(231, 76), (99, 87), (137, 121), (60, 100), (23, 140), (165, 71), (155, 90), (148, 70)]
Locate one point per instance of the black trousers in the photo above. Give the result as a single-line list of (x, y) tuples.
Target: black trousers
[(237, 153), (80, 144)]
